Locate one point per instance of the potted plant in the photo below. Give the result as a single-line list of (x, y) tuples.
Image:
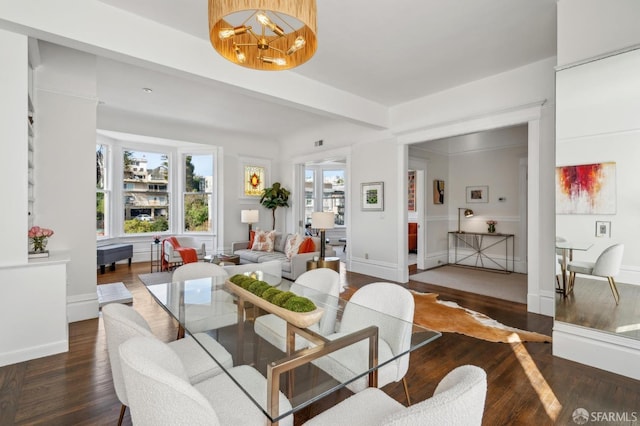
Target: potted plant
[(275, 197)]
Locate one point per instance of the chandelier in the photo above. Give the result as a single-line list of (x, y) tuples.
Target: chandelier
[(263, 34)]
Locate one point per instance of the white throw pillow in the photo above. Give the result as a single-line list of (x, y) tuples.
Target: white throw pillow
[(293, 244), (263, 240)]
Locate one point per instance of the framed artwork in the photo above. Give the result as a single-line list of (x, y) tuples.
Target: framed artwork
[(477, 194), (372, 196), (254, 177), (586, 189), (438, 191), (603, 229), (411, 196)]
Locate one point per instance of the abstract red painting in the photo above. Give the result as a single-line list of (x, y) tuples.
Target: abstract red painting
[(586, 189)]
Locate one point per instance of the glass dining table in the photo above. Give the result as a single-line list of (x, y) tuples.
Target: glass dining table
[(205, 305), (567, 248)]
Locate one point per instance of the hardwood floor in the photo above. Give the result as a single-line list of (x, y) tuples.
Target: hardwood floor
[(526, 384)]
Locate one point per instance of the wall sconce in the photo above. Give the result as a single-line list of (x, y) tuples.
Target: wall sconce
[(250, 217), (322, 221), (467, 213)]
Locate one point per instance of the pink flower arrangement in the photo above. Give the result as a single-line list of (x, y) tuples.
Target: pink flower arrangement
[(37, 232), (38, 237), (492, 222)]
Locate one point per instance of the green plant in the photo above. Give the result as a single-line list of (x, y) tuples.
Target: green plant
[(284, 299), (275, 197)]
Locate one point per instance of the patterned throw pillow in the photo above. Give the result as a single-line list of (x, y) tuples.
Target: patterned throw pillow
[(263, 241), (292, 244), (307, 246)]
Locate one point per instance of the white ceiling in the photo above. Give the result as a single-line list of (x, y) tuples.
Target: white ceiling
[(388, 52)]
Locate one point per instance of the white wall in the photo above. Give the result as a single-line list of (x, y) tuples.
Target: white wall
[(374, 234), (13, 144), (65, 168), (590, 28)]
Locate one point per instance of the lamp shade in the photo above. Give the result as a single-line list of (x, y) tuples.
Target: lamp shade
[(249, 216), (322, 220)]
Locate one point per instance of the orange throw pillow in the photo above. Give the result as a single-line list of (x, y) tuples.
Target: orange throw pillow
[(307, 246), (252, 236)]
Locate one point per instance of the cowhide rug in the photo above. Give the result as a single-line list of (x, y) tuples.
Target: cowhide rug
[(449, 317)]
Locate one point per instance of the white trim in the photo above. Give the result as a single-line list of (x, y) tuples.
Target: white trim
[(473, 124), (607, 351), (33, 352), (383, 270), (598, 57), (81, 307)]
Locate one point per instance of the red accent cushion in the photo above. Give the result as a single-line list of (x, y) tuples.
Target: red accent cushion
[(252, 236), (307, 246)]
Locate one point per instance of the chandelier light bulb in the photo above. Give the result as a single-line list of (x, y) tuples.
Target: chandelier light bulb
[(297, 45), (226, 33), (277, 61), (240, 56)]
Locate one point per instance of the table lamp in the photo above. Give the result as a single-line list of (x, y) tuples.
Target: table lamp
[(467, 213), (250, 217), (322, 221)]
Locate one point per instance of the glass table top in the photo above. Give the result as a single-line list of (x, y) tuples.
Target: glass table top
[(325, 360)]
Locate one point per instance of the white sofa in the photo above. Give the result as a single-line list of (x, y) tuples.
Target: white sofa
[(173, 257), (291, 268)]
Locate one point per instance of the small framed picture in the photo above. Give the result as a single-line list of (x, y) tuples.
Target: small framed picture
[(477, 194), (438, 191), (372, 196), (603, 229)]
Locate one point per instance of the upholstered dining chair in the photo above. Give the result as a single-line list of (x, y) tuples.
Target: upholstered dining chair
[(458, 399), (272, 267), (122, 322), (199, 315), (194, 270), (394, 337), (160, 392), (325, 286), (606, 265)]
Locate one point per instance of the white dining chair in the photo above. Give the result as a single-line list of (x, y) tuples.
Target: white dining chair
[(607, 265), (273, 268), (380, 304), (322, 286), (458, 399), (160, 392), (122, 322), (199, 317)]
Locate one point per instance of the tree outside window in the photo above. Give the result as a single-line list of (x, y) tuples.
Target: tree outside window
[(197, 197)]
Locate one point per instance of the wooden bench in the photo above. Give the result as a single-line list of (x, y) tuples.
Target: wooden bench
[(112, 253)]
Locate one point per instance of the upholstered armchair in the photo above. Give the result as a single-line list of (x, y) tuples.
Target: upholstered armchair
[(172, 257)]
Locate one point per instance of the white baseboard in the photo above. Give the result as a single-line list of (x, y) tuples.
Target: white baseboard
[(606, 351), (382, 270), (34, 352), (82, 307)]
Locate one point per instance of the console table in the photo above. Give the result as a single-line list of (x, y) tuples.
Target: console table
[(473, 249)]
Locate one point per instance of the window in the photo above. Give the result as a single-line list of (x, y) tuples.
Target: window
[(102, 192), (333, 194), (308, 194), (146, 200), (326, 188), (197, 195)]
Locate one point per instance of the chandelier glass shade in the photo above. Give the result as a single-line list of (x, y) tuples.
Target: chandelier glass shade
[(263, 34)]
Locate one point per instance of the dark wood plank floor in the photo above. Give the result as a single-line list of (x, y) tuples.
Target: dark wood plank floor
[(526, 384)]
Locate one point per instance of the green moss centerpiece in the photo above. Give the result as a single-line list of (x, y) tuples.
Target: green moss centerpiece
[(299, 311)]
